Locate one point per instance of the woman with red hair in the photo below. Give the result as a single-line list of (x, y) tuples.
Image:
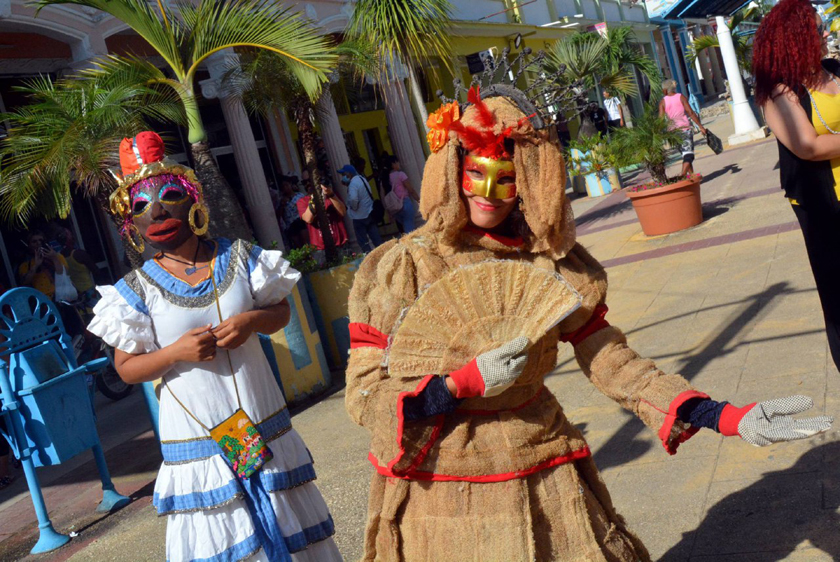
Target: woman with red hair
[(798, 88)]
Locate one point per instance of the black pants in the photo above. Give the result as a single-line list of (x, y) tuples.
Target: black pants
[(613, 124), (821, 230)]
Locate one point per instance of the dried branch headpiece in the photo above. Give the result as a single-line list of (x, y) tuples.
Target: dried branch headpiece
[(547, 95)]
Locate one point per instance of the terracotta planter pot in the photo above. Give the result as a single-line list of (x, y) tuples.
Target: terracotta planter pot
[(668, 209)]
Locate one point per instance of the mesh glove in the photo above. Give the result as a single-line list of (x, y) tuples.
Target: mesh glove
[(770, 422), (493, 372)]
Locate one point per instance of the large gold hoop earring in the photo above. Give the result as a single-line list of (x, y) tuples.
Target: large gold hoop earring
[(205, 221), (128, 235)]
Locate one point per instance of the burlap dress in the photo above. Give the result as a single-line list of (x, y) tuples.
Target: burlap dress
[(507, 478)]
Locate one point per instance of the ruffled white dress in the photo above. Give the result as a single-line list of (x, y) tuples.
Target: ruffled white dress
[(278, 513)]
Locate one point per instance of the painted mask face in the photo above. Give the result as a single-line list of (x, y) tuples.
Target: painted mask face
[(489, 178), (160, 207)]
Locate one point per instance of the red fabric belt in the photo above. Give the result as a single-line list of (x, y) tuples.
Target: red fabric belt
[(484, 478)]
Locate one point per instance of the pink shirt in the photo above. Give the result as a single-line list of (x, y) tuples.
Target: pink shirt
[(397, 179), (676, 112)]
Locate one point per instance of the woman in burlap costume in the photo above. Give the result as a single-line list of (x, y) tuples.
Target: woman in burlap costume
[(505, 477)]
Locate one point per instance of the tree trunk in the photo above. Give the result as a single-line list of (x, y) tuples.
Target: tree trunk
[(658, 172), (302, 110), (226, 216)]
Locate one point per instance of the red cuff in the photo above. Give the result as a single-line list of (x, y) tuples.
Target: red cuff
[(671, 418), (468, 381), (730, 417), (363, 335), (596, 322)]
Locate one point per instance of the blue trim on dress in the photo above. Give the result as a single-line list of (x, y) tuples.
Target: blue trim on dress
[(310, 535), (183, 289), (270, 481), (197, 501), (131, 297), (253, 259), (239, 551), (277, 481), (187, 451), (264, 519)]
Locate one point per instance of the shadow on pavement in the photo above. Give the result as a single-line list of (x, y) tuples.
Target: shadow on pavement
[(728, 169), (619, 448), (767, 520)]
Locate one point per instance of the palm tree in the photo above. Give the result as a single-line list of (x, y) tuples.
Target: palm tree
[(184, 40), (406, 31), (585, 58), (267, 85), (69, 134), (741, 39)]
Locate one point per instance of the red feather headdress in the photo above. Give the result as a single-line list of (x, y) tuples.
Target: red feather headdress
[(478, 139)]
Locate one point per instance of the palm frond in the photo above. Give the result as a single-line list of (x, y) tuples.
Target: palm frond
[(68, 134), (412, 31), (263, 24), (620, 84), (164, 36), (582, 57), (700, 44)]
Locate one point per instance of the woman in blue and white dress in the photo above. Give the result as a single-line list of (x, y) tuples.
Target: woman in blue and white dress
[(163, 319)]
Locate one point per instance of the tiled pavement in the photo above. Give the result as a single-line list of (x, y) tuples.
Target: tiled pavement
[(729, 304)]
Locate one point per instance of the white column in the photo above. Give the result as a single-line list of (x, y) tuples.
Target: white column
[(411, 127), (337, 154), (399, 133), (746, 126), (254, 184), (283, 143)]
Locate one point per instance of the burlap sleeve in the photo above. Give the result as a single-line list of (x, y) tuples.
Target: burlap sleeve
[(385, 285), (613, 367)]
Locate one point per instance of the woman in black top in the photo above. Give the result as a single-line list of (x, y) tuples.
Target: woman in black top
[(792, 80)]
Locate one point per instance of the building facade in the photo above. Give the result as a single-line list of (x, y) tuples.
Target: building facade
[(356, 121)]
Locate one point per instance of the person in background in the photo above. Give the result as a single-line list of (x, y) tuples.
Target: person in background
[(598, 117), (615, 111), (336, 209), (44, 262), (293, 226), (675, 106), (798, 84), (384, 174), (81, 267), (402, 187), (360, 206)]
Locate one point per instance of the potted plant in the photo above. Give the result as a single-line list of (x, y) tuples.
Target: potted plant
[(594, 159), (663, 204), (328, 287)]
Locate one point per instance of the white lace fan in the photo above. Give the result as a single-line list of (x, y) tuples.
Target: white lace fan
[(474, 309)]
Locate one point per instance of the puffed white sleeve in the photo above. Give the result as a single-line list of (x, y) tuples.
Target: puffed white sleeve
[(122, 325), (271, 277)]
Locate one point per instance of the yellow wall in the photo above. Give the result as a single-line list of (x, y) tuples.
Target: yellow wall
[(306, 373)]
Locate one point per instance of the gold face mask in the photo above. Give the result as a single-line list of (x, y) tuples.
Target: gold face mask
[(493, 171)]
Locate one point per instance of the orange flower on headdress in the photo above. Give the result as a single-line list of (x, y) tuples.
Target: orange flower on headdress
[(439, 123)]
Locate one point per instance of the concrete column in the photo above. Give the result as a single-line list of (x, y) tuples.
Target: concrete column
[(278, 124), (254, 184), (400, 133), (702, 63), (412, 127), (746, 126), (337, 154), (671, 52)]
